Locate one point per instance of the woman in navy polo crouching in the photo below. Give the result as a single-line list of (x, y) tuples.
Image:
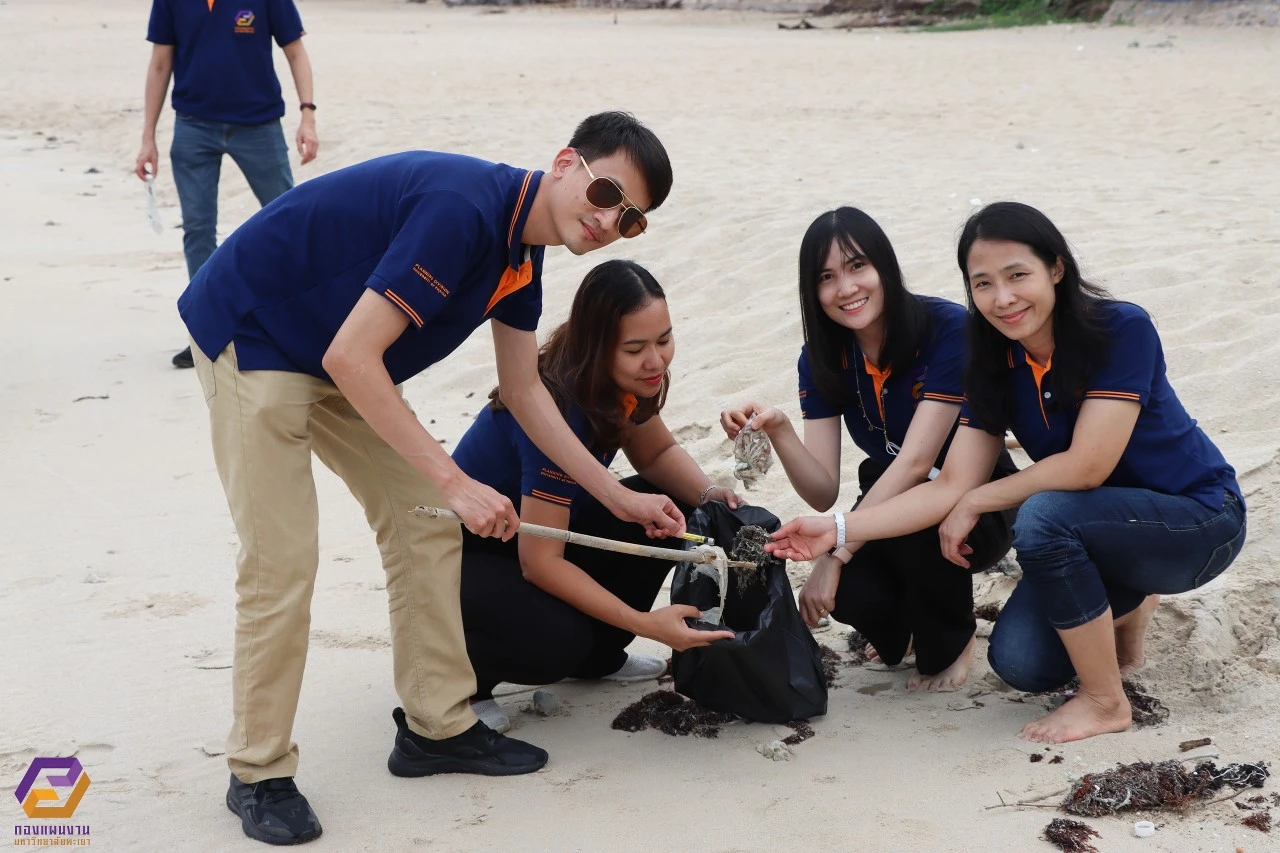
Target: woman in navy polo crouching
[(1127, 500), (891, 364), (535, 610)]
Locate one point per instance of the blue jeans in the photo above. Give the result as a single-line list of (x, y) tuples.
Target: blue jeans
[(198, 145), (1082, 552)]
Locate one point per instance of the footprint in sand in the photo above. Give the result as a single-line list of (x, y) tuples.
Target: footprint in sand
[(873, 689), (161, 605), (692, 432)]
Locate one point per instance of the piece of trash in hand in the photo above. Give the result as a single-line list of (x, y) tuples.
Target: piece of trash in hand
[(153, 209), (752, 455)]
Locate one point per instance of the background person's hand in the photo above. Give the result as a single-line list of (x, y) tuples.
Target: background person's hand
[(658, 513), (818, 596), (953, 533), (307, 140), (667, 626), (803, 538), (483, 511), (750, 414), (725, 495), (147, 156)]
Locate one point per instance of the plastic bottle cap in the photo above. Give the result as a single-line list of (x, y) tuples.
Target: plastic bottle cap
[(1144, 828)]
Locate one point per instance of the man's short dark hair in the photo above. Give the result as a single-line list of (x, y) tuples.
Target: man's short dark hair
[(606, 133)]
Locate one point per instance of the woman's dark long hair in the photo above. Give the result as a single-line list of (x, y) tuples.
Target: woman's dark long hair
[(576, 361), (1079, 340), (907, 323)]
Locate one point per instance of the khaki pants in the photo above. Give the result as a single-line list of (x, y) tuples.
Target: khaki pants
[(265, 425)]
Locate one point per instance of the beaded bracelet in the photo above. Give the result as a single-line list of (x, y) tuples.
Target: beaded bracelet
[(702, 495)]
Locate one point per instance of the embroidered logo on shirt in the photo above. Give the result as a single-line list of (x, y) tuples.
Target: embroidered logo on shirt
[(244, 21), (431, 280), (559, 476)]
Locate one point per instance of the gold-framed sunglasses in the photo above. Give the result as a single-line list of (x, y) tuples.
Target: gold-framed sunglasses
[(605, 194)]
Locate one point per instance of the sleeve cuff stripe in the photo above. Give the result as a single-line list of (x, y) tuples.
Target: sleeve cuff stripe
[(945, 398), (1115, 395), (555, 499), (405, 307)]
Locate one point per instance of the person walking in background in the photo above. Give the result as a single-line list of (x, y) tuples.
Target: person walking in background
[(226, 100)]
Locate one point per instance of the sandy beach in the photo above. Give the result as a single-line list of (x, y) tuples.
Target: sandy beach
[(1154, 149)]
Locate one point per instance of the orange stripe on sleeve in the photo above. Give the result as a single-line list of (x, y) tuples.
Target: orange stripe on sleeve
[(404, 306), (1115, 395), (555, 499), (943, 398)]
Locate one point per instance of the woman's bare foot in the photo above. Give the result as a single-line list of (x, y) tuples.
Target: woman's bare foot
[(950, 678), (1080, 717), (1131, 636), (873, 655)]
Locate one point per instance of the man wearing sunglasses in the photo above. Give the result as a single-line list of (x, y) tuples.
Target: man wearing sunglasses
[(303, 324)]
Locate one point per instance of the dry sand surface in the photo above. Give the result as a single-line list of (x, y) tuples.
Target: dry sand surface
[(117, 567)]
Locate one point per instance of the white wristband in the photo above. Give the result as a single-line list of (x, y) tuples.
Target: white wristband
[(839, 517)]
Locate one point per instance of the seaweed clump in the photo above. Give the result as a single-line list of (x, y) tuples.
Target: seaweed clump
[(1147, 709), (1070, 835), (858, 648), (1166, 785), (748, 546), (803, 731), (830, 666), (671, 713), (1260, 821), (990, 612)]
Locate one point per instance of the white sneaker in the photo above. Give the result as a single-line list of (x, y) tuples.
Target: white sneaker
[(639, 668), (491, 714)]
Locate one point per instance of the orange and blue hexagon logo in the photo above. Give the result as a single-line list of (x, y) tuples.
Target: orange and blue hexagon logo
[(244, 18), (48, 802)]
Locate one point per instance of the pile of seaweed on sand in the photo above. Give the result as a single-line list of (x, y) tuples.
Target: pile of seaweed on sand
[(673, 714), (830, 665), (1164, 785), (1260, 819), (1070, 835), (990, 612), (857, 648)]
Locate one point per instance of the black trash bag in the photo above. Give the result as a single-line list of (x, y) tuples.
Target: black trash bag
[(771, 671)]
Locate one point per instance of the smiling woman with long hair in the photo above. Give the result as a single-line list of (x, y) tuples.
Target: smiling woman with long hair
[(889, 363), (535, 610), (1128, 499)]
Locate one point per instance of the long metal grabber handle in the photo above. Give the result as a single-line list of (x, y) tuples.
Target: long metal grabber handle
[(696, 555)]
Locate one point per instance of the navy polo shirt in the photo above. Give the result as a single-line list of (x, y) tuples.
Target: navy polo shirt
[(1167, 452), (437, 234), (890, 397), (222, 66), (497, 452)]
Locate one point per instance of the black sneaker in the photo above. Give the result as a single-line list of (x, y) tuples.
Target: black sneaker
[(273, 811), (477, 750), (184, 359)]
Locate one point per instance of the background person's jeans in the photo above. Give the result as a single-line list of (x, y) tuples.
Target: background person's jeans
[(198, 145), (1082, 552)]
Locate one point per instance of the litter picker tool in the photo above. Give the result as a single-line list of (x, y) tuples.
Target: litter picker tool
[(705, 557)]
